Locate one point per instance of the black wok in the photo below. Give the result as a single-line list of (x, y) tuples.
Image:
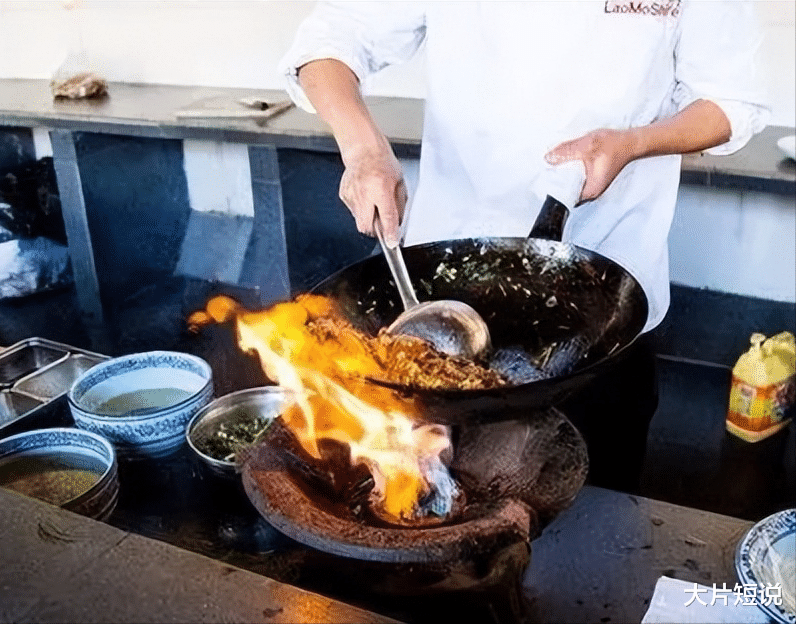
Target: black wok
[(535, 294)]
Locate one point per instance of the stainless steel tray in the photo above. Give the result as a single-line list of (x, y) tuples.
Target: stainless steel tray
[(56, 378), (13, 405), (27, 357), (35, 375)]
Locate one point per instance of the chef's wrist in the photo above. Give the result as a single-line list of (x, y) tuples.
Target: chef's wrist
[(636, 143), (356, 133), (361, 143)]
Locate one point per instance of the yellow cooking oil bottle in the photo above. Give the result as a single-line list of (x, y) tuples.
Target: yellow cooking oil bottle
[(763, 388)]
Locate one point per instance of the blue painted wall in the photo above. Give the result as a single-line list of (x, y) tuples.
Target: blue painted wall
[(137, 206), (320, 232), (16, 148)]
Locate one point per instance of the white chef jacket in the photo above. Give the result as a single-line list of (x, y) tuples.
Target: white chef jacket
[(508, 81)]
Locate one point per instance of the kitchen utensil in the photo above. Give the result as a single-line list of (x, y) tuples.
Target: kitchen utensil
[(243, 109), (223, 414), (56, 378), (35, 375), (452, 327), (537, 295), (23, 358), (13, 405), (142, 402)]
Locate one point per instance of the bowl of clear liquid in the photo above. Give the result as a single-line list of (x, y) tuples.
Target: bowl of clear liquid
[(142, 402)]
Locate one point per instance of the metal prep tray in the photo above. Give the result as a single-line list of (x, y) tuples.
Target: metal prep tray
[(56, 378), (35, 375), (27, 357), (14, 405)]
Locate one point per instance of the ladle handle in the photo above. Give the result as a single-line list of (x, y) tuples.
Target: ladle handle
[(395, 261)]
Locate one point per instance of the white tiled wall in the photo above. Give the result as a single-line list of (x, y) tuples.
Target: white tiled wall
[(238, 43), (219, 177), (778, 56)]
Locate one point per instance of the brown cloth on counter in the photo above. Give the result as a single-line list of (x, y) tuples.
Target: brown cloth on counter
[(80, 86)]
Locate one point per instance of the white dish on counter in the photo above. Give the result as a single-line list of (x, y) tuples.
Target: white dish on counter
[(788, 146)]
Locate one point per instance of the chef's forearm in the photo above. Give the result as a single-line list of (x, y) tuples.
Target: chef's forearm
[(335, 93), (699, 126)]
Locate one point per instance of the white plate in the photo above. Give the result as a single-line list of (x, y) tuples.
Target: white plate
[(788, 146), (763, 556)]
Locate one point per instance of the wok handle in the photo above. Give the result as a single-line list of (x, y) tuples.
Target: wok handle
[(565, 183), (550, 223), (395, 261)]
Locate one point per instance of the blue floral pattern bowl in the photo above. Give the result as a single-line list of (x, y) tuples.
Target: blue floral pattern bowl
[(764, 561), (81, 447), (142, 402)]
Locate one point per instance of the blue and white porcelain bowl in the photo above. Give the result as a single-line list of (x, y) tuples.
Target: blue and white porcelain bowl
[(64, 448), (765, 561), (142, 402)]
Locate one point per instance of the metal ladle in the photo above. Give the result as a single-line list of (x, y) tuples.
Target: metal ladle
[(452, 327)]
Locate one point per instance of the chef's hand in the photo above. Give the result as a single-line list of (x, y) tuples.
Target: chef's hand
[(699, 126), (604, 154), (372, 176), (372, 180)]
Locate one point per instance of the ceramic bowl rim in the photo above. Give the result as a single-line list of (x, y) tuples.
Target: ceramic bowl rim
[(147, 413), (238, 394), (110, 466), (746, 572)]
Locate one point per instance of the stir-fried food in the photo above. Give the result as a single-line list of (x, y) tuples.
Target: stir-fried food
[(410, 361), (403, 360)]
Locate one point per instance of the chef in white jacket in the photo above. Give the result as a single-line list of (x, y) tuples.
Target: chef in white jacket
[(625, 86)]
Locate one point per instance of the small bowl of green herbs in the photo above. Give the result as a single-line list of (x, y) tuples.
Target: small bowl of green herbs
[(225, 426)]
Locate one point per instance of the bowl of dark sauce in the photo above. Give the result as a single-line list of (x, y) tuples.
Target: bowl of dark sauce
[(65, 467)]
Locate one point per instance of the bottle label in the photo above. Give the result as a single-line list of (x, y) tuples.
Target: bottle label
[(756, 408)]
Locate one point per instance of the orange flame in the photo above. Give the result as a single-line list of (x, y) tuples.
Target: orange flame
[(334, 399)]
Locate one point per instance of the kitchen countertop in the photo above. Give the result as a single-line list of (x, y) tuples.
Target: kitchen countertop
[(149, 111), (598, 561), (61, 567)]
